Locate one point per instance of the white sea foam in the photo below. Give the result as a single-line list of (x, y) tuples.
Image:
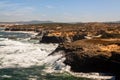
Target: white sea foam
[(19, 54)]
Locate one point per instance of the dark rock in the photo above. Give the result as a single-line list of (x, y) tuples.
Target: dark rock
[(51, 39), (86, 56)]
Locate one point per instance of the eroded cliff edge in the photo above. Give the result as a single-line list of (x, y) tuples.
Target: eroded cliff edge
[(99, 55), (93, 55)]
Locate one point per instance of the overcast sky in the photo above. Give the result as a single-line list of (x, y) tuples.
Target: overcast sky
[(60, 10)]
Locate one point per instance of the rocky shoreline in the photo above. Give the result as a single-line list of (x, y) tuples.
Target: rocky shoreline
[(91, 47), (93, 56)]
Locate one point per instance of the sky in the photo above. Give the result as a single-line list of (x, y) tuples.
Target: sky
[(60, 10)]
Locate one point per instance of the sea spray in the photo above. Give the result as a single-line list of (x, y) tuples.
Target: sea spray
[(23, 54), (20, 54)]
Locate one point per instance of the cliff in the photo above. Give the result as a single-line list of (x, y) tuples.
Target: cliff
[(95, 55)]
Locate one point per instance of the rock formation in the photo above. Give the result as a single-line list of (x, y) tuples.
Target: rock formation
[(99, 53), (95, 55)]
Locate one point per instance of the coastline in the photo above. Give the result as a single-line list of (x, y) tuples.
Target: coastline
[(30, 58), (72, 73)]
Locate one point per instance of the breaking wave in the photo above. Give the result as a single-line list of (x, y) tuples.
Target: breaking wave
[(23, 54)]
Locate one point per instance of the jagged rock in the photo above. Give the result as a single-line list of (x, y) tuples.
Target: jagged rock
[(51, 39), (89, 56)]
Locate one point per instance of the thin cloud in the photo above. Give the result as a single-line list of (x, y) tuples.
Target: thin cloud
[(49, 6), (6, 4), (10, 11)]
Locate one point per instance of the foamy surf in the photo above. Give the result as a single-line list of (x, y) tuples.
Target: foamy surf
[(20, 54)]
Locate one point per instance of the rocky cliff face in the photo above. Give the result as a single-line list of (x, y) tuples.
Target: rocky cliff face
[(95, 55), (61, 37)]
